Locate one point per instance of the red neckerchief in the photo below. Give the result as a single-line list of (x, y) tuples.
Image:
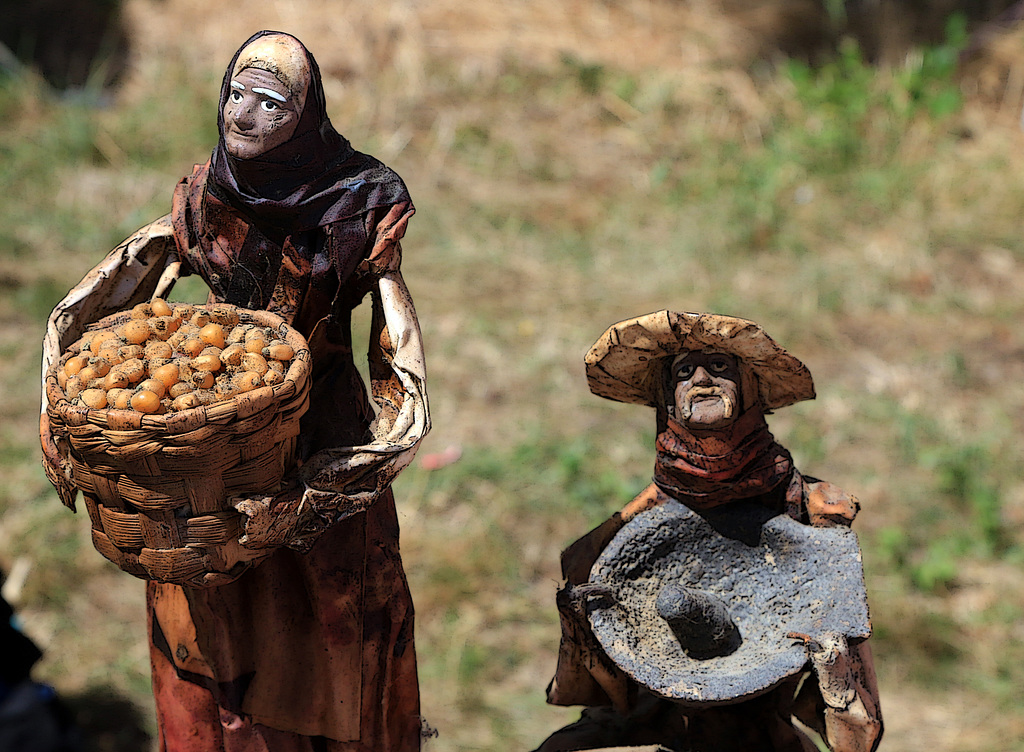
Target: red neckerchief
[(720, 466)]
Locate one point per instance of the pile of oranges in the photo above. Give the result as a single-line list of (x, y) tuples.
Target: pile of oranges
[(169, 357)]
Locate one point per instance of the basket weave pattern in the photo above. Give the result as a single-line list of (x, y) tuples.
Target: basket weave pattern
[(156, 486)]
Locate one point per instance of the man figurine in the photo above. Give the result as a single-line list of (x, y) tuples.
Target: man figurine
[(711, 380)]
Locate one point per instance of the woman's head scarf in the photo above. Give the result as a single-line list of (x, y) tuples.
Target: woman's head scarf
[(316, 177)]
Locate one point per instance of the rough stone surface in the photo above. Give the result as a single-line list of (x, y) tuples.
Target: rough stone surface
[(775, 575)]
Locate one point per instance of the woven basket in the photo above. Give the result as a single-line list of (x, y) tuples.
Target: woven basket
[(156, 486)]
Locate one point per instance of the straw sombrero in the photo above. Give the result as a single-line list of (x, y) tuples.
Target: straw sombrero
[(625, 363)]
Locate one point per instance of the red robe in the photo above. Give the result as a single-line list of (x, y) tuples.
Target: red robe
[(316, 643)]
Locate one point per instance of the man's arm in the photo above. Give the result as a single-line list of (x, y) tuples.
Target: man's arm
[(851, 720)]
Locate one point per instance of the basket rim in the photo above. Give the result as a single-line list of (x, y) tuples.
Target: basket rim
[(182, 421)]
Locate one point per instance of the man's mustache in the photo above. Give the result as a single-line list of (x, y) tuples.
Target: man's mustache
[(697, 393)]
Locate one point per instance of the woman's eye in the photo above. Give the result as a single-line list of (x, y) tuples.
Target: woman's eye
[(268, 105), (236, 97)]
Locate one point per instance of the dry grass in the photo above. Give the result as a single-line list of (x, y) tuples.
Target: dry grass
[(574, 164)]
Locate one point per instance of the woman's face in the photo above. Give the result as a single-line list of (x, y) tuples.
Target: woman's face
[(259, 114)]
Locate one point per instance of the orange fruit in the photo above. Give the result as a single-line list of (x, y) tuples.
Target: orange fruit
[(75, 364), (145, 401), (232, 354), (176, 390), (94, 398), (206, 362), (167, 374), (247, 381), (279, 351), (154, 385), (212, 334), (160, 307), (254, 362), (136, 331), (185, 401)]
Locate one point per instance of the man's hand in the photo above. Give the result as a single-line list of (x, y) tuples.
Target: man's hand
[(829, 654), (846, 679)]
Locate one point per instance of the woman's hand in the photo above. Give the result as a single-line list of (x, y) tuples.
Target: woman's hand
[(270, 521), (55, 466), (846, 680)]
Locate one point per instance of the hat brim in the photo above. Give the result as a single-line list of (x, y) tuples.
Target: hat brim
[(625, 364)]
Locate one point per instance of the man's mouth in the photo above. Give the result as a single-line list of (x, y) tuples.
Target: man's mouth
[(705, 397), (707, 394)]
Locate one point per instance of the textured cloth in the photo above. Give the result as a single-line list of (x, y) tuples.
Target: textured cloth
[(316, 640), (705, 471), (189, 717), (316, 644)]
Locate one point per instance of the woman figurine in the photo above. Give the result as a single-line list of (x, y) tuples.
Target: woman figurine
[(313, 648)]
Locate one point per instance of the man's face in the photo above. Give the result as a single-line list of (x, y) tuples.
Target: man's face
[(259, 114), (707, 390)]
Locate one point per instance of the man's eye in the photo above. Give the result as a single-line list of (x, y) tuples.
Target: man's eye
[(684, 371), (236, 97), (268, 105), (719, 366)]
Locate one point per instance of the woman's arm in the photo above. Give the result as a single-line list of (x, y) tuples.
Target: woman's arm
[(130, 274), (338, 482), (141, 266), (360, 473)]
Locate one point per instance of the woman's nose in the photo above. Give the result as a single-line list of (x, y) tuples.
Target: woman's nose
[(244, 116)]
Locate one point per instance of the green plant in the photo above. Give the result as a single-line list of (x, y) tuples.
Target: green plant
[(965, 475), (589, 76), (929, 77)]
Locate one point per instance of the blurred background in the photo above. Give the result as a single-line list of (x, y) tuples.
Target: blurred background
[(849, 173)]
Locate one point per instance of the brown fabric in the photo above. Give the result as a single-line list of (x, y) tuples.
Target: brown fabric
[(188, 718), (291, 284), (721, 466), (249, 265), (318, 644), (589, 676)]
